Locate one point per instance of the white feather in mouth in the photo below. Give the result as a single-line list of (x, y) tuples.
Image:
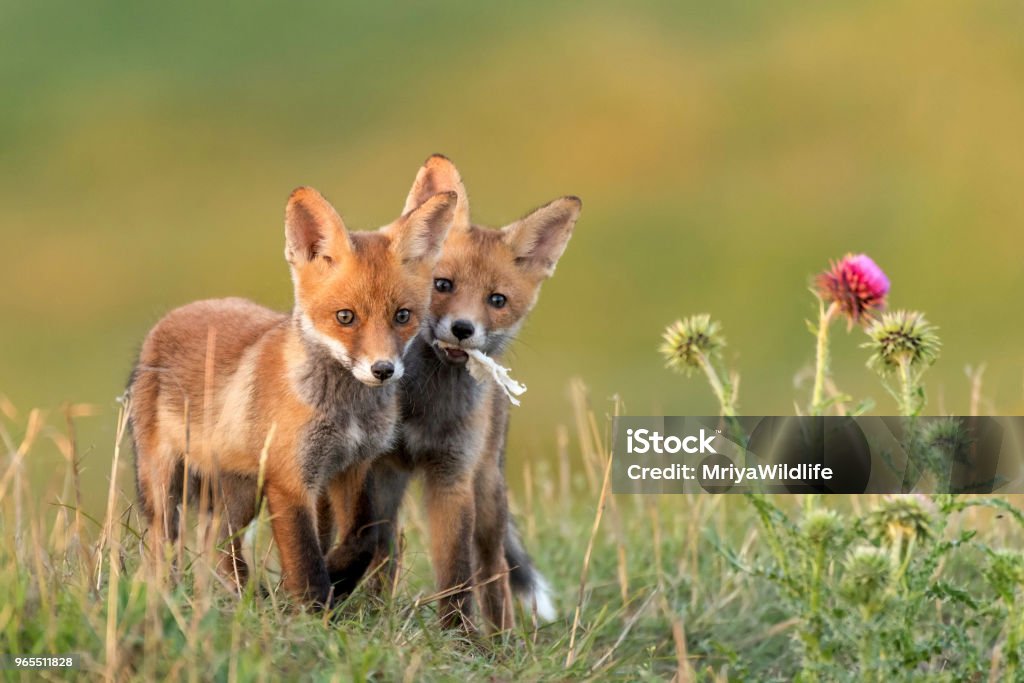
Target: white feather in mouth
[(481, 366)]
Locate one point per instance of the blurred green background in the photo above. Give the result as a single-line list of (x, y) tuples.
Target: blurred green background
[(724, 152)]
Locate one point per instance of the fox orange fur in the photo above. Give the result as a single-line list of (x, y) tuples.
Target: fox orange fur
[(453, 428), (219, 380)]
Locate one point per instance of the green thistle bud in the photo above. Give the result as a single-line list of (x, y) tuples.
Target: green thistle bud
[(947, 439), (900, 518), (867, 575), (902, 339), (822, 528), (690, 339)]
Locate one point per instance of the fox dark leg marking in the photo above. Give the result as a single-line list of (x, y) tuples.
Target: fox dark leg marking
[(372, 519), (353, 508), (325, 529), (488, 537), (389, 486), (302, 563)]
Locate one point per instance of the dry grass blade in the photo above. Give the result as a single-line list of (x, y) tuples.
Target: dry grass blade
[(564, 471), (112, 536), (7, 408), (622, 567), (684, 671), (434, 597), (70, 413), (578, 395), (994, 668), (625, 631), (769, 632), (531, 521), (570, 657), (975, 375), (35, 426)]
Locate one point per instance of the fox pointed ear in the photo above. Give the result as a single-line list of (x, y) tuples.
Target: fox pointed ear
[(418, 236), (438, 174), (313, 229), (539, 238)]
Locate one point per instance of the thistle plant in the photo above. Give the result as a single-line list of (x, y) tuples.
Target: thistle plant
[(867, 576), (823, 528), (823, 533), (901, 523), (944, 441), (949, 439), (885, 597), (904, 344), (855, 288), (1005, 572), (902, 519), (694, 344)]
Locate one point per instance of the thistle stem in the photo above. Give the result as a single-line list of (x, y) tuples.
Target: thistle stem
[(722, 392), (906, 389), (821, 362), (1014, 635)]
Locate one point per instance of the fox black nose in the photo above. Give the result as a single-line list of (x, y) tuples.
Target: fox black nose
[(462, 329), (382, 369)]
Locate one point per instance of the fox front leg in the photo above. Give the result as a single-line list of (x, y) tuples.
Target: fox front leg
[(489, 534), (352, 505), (451, 513), (370, 517), (236, 499)]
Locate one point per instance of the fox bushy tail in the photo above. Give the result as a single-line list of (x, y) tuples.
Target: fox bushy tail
[(528, 584)]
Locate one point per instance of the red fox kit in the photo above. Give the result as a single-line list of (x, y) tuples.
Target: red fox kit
[(453, 427), (325, 378)]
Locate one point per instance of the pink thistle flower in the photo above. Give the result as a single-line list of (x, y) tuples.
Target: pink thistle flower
[(855, 285)]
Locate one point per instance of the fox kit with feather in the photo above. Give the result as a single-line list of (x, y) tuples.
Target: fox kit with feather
[(453, 426)]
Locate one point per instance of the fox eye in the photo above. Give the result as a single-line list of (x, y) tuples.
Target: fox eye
[(402, 316), (443, 285), (497, 300), (345, 316)]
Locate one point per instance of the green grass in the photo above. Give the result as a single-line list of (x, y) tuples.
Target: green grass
[(688, 586)]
